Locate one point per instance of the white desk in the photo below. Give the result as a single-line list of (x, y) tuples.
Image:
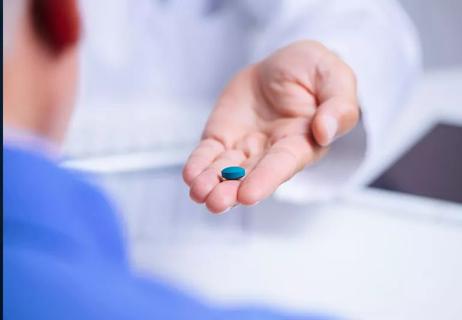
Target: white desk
[(359, 262), (374, 255)]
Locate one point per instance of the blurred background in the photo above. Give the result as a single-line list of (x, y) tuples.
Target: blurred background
[(439, 26), (390, 251)]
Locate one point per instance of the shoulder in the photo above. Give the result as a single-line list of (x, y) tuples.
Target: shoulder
[(44, 199), (33, 180)]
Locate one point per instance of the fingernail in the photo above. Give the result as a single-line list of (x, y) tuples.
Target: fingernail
[(331, 128), (224, 211), (256, 203)]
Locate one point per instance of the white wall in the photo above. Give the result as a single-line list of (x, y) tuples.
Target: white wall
[(439, 23)]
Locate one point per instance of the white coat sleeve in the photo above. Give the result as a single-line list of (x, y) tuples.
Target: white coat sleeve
[(379, 42)]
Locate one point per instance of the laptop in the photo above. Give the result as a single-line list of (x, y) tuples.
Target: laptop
[(431, 168)]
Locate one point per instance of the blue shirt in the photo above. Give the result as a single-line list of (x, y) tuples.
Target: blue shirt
[(64, 256)]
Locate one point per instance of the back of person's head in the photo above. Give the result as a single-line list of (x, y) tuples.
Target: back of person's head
[(40, 40)]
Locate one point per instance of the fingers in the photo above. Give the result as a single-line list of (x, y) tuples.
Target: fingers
[(203, 174), (201, 158), (224, 195), (206, 181), (338, 111), (265, 173), (285, 158)]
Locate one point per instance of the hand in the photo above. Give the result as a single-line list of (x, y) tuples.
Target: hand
[(273, 119)]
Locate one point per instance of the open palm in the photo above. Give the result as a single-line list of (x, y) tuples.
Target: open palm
[(273, 119)]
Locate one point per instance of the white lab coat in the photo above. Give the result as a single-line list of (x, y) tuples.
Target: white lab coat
[(190, 49)]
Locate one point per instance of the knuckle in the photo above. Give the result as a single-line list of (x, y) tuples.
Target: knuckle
[(310, 45)]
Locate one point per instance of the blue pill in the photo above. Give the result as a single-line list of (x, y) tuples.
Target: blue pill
[(233, 173)]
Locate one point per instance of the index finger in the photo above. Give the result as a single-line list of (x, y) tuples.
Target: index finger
[(284, 159)]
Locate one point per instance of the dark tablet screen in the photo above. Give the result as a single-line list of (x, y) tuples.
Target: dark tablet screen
[(431, 168)]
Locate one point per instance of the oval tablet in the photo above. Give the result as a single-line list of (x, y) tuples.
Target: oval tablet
[(233, 173)]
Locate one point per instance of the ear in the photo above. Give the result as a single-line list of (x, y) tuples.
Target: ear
[(57, 22)]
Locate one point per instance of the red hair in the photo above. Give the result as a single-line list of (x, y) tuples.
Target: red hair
[(57, 22)]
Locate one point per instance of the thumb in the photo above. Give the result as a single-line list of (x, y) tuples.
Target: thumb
[(335, 117)]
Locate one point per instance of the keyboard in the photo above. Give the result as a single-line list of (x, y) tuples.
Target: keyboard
[(133, 136)]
